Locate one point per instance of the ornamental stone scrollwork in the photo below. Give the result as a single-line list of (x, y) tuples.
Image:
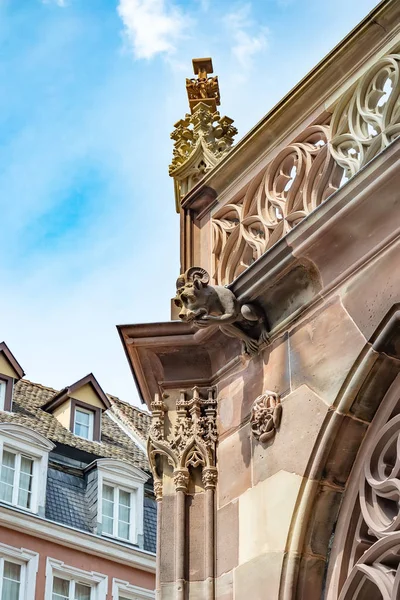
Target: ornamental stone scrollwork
[(367, 118), (203, 137), (298, 180), (265, 417), (207, 305), (371, 556), (190, 443)]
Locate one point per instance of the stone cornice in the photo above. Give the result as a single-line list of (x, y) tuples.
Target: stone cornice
[(78, 540)]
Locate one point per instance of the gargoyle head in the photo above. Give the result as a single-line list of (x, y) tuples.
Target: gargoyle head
[(191, 294)]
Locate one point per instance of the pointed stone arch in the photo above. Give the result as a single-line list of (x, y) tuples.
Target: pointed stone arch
[(319, 530)]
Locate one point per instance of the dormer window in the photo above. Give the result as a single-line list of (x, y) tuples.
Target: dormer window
[(79, 408), (10, 371), (6, 387), (119, 501), (23, 467), (84, 423)]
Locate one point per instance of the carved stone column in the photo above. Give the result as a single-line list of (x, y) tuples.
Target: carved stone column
[(182, 453)]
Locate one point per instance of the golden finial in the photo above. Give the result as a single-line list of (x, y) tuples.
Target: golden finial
[(203, 89), (203, 137)]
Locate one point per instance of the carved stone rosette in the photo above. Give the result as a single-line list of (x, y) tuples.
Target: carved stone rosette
[(192, 442), (265, 416)]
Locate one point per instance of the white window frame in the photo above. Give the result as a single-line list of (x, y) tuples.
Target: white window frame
[(17, 475), (3, 390), (89, 412), (132, 510), (116, 473), (29, 562), (21, 440), (129, 591), (57, 568)]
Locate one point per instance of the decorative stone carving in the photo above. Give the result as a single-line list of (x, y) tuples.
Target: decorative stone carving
[(369, 565), (158, 489), (207, 305), (192, 441), (266, 416), (298, 180), (203, 137), (210, 477), (366, 119), (181, 479)]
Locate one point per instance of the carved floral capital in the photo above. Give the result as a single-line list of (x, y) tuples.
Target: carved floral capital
[(181, 480), (210, 477)]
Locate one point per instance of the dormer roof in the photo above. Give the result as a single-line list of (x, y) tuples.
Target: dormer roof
[(71, 391), (15, 369)]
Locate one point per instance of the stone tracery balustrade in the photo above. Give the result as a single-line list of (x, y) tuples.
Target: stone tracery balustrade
[(367, 117), (365, 120)]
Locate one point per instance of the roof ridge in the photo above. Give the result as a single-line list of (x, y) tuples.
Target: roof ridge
[(136, 408), (39, 385)]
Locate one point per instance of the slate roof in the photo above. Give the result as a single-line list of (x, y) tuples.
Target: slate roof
[(29, 397), (65, 499)]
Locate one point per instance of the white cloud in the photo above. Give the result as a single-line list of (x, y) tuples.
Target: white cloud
[(152, 26), (61, 3), (248, 38)]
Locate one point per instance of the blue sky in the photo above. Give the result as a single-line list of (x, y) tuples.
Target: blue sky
[(90, 90)]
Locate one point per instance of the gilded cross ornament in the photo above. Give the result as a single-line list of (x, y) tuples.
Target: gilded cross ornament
[(203, 89)]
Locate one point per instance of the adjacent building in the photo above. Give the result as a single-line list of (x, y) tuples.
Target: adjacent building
[(77, 510)]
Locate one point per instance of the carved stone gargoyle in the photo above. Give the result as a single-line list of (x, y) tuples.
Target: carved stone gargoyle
[(207, 305)]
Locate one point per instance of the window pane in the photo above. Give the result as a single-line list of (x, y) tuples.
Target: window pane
[(25, 482), (9, 459), (60, 589), (124, 498), (82, 430), (124, 514), (11, 581), (26, 465), (3, 386), (123, 530), (82, 592), (108, 525), (108, 493), (108, 509), (7, 476), (83, 425), (82, 417)]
